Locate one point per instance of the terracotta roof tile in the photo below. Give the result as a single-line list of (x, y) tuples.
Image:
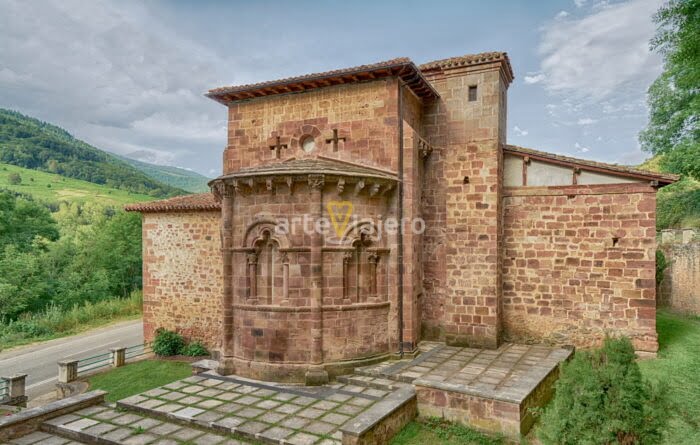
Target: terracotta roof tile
[(402, 67), (664, 178), (200, 201), (469, 59)]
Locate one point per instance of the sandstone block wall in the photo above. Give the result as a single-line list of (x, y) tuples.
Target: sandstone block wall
[(579, 262), (680, 287), (365, 114), (463, 254), (182, 274)]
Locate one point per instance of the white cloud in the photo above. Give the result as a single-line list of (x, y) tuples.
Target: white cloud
[(600, 53), (580, 3), (586, 121), (581, 149), (113, 76), (520, 132), (535, 78), (561, 15)]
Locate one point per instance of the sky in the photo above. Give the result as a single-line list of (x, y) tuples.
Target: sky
[(129, 77)]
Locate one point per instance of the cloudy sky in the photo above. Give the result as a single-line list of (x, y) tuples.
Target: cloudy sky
[(128, 77)]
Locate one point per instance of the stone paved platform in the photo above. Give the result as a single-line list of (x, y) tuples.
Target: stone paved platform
[(509, 373), (490, 390), (275, 413)]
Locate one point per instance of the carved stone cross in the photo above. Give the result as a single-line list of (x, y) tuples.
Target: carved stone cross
[(278, 147), (335, 139)]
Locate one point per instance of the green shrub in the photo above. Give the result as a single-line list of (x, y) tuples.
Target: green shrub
[(661, 265), (168, 343), (195, 349), (14, 178), (601, 398)]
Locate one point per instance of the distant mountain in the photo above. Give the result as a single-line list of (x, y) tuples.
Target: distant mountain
[(31, 143), (173, 176)]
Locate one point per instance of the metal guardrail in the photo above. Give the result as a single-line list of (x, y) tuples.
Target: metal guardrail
[(108, 359), (138, 350), (95, 362)]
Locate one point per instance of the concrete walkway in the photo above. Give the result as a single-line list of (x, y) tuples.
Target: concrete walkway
[(39, 360)]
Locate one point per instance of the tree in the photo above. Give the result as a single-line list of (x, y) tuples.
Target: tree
[(14, 179), (22, 220), (674, 103)]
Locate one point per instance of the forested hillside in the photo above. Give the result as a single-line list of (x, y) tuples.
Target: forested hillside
[(176, 177), (37, 145)]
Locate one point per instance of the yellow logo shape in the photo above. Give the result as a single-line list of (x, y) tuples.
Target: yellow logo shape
[(340, 212)]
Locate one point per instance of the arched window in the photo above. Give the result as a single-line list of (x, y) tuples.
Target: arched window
[(269, 273), (360, 271)]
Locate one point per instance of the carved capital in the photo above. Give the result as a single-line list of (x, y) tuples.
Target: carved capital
[(424, 148), (347, 257), (252, 258), (316, 182), (373, 258)]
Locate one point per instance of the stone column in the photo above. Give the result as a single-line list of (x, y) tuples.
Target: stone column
[(227, 343), (67, 371), (373, 259), (316, 375), (16, 388), (285, 277), (118, 357)]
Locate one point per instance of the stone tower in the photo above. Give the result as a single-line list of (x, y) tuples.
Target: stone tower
[(467, 127)]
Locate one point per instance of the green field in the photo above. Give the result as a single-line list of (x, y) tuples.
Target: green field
[(49, 187)]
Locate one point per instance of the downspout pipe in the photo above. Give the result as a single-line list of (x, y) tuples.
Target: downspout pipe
[(399, 213)]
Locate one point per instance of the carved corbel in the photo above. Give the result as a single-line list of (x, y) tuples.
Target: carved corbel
[(359, 186), (374, 190), (269, 184), (387, 188), (316, 182), (290, 182), (341, 186)]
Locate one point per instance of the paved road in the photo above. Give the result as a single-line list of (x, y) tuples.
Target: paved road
[(39, 360)]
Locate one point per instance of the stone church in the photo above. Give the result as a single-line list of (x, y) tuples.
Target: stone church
[(289, 269)]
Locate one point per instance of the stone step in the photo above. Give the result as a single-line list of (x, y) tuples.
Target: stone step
[(368, 381), (105, 425), (43, 438)]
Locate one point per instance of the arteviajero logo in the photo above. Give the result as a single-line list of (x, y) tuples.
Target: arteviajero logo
[(340, 213)]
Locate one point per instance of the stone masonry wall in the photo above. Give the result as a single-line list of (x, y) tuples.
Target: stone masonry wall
[(579, 262), (679, 287), (182, 281), (364, 113), (462, 245)]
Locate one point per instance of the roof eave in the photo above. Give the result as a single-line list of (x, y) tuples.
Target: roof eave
[(426, 90), (661, 179)]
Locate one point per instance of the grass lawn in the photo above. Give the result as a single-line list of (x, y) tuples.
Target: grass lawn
[(138, 377), (678, 367), (436, 431), (49, 187)]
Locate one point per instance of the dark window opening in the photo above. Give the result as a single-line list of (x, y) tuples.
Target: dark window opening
[(472, 93)]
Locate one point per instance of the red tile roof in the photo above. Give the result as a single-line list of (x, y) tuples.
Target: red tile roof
[(200, 201), (402, 67), (662, 178), (469, 59)]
